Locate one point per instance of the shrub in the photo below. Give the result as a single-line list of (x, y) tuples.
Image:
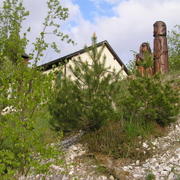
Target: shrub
[(66, 107), (21, 143), (143, 106), (150, 99), (86, 102)]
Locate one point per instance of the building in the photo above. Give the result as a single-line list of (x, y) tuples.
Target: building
[(112, 60)]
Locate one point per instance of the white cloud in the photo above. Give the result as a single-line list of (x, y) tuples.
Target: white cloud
[(131, 25), (97, 2)]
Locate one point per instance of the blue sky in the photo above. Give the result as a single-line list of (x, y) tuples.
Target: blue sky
[(92, 9)]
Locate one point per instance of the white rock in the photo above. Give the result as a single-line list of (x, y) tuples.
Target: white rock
[(103, 178), (125, 168), (152, 160), (171, 176), (145, 145), (164, 173), (137, 176), (137, 162), (111, 177), (178, 150)]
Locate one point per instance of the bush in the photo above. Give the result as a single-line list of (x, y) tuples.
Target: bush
[(143, 106), (66, 107), (87, 101), (21, 142), (150, 100)]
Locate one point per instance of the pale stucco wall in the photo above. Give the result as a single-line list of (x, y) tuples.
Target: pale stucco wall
[(111, 63)]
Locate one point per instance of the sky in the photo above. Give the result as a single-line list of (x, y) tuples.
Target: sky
[(125, 24)]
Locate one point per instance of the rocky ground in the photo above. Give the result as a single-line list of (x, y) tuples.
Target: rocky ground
[(78, 167), (163, 165)]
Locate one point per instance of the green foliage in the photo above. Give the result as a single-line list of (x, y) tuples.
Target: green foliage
[(66, 109), (131, 66), (150, 99), (119, 113), (25, 93), (51, 26), (146, 63), (118, 141), (147, 60), (13, 41), (150, 176), (12, 15), (87, 101), (143, 105), (174, 48)]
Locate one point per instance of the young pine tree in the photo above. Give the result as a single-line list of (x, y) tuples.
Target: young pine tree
[(86, 101)]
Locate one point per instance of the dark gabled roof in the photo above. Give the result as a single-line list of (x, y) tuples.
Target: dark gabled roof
[(56, 62)]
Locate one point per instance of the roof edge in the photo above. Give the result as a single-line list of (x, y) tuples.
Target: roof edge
[(49, 65)]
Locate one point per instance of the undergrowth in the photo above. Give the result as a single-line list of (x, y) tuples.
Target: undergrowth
[(121, 142), (146, 107)]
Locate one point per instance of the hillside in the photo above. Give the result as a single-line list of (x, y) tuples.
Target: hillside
[(162, 160), (164, 165)]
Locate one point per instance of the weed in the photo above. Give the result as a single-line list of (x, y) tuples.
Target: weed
[(150, 176)]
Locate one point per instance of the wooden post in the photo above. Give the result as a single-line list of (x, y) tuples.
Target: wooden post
[(144, 50), (161, 64)]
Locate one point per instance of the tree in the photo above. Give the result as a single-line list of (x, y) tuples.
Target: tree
[(174, 48), (87, 101), (12, 15), (13, 40), (24, 92)]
